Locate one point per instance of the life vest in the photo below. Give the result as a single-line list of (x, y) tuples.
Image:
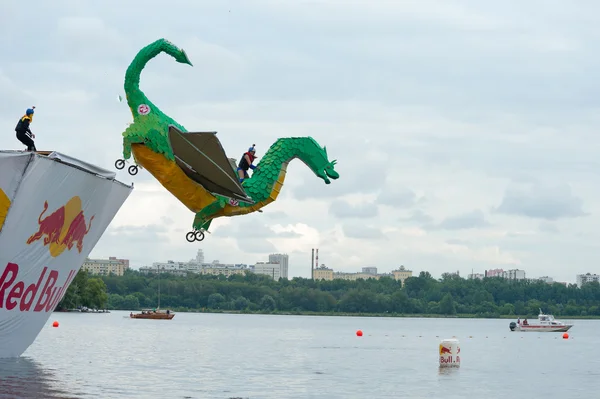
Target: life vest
[(244, 163), (23, 123)]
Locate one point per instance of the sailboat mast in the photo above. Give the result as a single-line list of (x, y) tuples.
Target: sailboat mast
[(158, 288)]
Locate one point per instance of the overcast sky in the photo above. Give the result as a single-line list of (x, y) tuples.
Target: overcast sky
[(465, 131)]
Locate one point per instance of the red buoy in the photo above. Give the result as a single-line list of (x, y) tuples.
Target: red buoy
[(359, 333), (565, 335), (55, 324)]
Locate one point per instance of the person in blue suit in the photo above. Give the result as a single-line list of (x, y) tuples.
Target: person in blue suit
[(24, 133)]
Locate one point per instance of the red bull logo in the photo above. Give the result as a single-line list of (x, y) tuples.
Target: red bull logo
[(446, 351), (62, 229)]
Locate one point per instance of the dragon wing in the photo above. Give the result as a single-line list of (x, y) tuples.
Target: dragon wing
[(202, 158)]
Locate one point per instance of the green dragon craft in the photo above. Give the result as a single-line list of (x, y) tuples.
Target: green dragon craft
[(163, 147)]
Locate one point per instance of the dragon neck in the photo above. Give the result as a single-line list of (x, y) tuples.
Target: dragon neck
[(275, 160), (135, 96)]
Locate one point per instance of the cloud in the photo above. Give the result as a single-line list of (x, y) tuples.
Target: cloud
[(343, 209), (362, 232), (149, 240), (256, 237), (399, 197), (470, 220), (277, 215), (289, 234), (419, 217), (245, 228), (254, 245), (355, 177), (547, 227), (538, 201), (246, 236), (456, 241)]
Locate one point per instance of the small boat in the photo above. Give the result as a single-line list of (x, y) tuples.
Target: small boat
[(544, 323), (153, 314)]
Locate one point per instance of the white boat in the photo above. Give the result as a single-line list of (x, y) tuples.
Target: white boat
[(544, 323)]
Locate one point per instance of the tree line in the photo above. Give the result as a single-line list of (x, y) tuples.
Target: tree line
[(420, 295), (84, 291)]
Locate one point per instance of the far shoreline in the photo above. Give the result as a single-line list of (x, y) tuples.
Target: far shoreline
[(342, 314)]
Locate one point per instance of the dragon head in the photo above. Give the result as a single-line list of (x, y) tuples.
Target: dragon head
[(321, 166), (177, 53)]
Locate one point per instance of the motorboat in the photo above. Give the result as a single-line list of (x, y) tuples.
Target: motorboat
[(544, 323)]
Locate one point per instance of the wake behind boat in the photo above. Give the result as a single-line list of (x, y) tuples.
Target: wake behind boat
[(544, 323)]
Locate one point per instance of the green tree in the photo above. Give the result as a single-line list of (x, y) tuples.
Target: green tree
[(115, 301), (507, 309), (451, 294), (131, 302), (241, 303), (94, 294), (447, 305), (267, 303), (215, 301), (73, 297)]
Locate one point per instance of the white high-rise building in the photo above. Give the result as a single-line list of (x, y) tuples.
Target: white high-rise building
[(514, 274), (282, 259), (547, 279), (200, 257), (587, 278), (270, 269)]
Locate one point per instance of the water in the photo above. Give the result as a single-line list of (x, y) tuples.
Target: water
[(264, 356)]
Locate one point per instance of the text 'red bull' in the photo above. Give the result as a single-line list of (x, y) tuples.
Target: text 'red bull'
[(13, 294)]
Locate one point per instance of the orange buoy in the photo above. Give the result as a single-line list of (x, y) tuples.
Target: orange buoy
[(359, 333), (55, 324), (565, 336)]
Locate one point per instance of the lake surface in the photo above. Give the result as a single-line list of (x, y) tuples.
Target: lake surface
[(265, 356)]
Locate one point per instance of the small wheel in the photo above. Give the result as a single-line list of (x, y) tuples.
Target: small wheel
[(199, 235), (120, 164), (133, 170), (190, 236)]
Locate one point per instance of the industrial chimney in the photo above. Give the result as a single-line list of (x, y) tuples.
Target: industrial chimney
[(312, 265)]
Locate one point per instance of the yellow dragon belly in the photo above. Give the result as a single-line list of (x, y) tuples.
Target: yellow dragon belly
[(191, 194), (170, 175)]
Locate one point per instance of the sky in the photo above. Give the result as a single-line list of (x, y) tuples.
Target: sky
[(465, 132)]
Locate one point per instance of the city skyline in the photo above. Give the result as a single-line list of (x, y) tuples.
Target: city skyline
[(515, 273)]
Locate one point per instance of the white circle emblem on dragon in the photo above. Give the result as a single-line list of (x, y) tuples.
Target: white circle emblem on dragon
[(143, 109)]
